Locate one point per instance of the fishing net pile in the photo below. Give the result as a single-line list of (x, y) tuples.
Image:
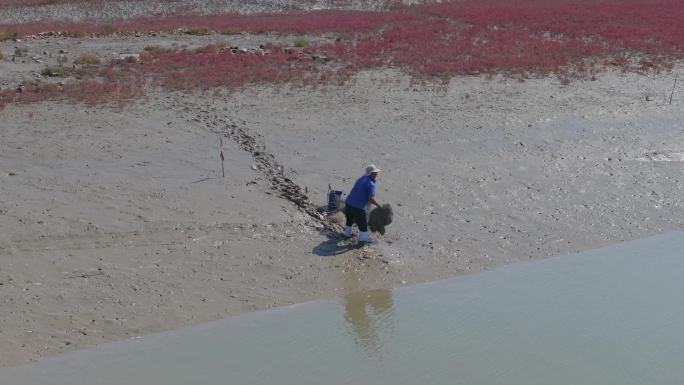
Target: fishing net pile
[(379, 218)]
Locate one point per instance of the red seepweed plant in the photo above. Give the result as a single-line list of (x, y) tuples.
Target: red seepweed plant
[(532, 38)]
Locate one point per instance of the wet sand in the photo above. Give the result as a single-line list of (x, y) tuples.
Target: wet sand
[(116, 223)]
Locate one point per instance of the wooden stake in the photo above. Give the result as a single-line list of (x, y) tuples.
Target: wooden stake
[(673, 88), (223, 170)]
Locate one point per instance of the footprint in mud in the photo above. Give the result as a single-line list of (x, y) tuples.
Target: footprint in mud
[(335, 245), (662, 156)]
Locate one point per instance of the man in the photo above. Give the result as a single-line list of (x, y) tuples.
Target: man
[(361, 195)]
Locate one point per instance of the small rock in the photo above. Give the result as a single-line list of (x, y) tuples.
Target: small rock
[(128, 56), (649, 98), (320, 57), (11, 173)]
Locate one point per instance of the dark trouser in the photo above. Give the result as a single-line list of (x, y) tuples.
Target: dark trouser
[(357, 216)]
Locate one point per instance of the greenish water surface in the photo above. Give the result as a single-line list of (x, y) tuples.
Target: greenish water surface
[(608, 316)]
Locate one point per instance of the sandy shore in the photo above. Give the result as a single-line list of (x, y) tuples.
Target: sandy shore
[(116, 223), (115, 10)]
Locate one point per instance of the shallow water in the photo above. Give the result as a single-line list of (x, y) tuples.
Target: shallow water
[(608, 316)]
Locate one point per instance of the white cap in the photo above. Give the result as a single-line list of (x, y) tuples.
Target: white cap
[(371, 169)]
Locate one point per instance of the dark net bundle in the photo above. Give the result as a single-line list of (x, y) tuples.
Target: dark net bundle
[(379, 218)]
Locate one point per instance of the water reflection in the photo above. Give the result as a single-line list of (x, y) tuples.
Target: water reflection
[(369, 317)]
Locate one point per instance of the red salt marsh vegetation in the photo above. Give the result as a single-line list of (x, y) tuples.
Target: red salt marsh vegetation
[(568, 38)]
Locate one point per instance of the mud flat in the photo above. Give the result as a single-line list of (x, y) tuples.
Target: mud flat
[(116, 10), (115, 223)]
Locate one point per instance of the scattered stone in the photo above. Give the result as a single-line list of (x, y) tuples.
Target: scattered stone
[(85, 273), (126, 55), (649, 98), (11, 173), (319, 57)]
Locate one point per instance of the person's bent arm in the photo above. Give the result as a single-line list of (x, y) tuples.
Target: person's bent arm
[(373, 201)]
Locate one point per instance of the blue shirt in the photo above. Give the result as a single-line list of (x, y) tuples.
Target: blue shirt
[(363, 189)]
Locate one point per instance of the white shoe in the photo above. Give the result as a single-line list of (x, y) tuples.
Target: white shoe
[(365, 240)]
